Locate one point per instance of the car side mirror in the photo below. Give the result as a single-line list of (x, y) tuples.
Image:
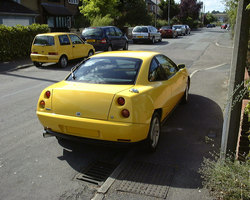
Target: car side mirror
[(181, 66)]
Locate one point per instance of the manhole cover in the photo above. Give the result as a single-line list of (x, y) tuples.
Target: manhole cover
[(96, 173), (146, 178)]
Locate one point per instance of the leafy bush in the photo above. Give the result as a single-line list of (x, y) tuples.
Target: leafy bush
[(226, 179), (160, 23), (16, 41), (102, 21)]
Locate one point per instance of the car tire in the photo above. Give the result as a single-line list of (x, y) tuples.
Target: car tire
[(153, 40), (109, 48), (184, 99), (37, 64), (91, 53), (63, 62), (160, 39), (125, 46), (153, 133)]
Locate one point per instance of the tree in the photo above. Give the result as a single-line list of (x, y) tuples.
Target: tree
[(189, 9), (174, 9), (231, 10), (99, 8), (133, 12), (209, 18)]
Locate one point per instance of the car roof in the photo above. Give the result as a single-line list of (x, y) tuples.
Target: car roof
[(100, 27), (56, 33), (131, 54)]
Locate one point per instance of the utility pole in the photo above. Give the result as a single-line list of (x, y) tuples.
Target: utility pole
[(156, 11), (169, 12), (233, 109)]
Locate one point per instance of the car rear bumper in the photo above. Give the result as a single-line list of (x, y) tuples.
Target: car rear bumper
[(93, 128), (44, 58)]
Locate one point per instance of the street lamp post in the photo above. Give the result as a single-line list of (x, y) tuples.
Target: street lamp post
[(168, 12)]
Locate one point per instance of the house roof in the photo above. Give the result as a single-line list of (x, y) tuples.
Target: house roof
[(56, 10), (11, 7)]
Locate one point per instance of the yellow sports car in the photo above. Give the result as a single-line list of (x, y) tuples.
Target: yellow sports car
[(120, 96)]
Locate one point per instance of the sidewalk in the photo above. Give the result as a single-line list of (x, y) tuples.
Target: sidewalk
[(15, 65)]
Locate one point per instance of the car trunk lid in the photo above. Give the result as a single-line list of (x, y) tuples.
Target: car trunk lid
[(84, 100)]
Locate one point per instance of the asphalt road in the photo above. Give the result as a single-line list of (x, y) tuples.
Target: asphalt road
[(32, 167)]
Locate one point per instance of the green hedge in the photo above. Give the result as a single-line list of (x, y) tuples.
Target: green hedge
[(15, 42)]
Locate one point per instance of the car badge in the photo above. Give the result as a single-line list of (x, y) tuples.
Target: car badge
[(133, 90), (78, 114)]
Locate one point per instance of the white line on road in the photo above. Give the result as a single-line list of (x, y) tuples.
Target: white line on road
[(217, 44), (20, 91), (197, 70)]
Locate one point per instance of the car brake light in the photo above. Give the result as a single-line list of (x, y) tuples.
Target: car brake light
[(35, 52), (103, 41), (125, 113), (42, 103), (47, 93), (121, 101), (53, 53)]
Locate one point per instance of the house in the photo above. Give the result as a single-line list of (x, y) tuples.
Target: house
[(153, 6), (221, 17), (13, 13), (58, 14)]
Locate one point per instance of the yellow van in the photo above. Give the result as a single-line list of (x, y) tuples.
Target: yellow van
[(58, 48)]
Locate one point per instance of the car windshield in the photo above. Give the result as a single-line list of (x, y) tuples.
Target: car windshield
[(44, 40), (88, 32), (107, 70), (140, 29)]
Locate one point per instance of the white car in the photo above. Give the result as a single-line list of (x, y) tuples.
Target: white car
[(181, 30), (146, 34)]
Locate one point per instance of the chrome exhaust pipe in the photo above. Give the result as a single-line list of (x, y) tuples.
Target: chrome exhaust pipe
[(47, 134)]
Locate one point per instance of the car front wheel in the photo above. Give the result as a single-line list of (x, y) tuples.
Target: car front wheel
[(186, 94), (153, 40), (154, 133), (125, 46), (91, 53), (63, 62)]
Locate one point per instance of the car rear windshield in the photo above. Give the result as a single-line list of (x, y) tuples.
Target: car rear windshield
[(44, 40), (166, 27), (140, 29), (177, 26), (90, 32), (107, 70)]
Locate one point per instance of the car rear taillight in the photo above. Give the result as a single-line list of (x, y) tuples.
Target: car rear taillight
[(42, 103), (125, 113), (53, 53), (104, 41), (47, 93), (35, 52), (121, 101)]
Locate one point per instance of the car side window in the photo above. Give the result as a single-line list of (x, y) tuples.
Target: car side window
[(118, 32), (111, 32), (168, 66), (64, 40), (75, 39), (156, 72)]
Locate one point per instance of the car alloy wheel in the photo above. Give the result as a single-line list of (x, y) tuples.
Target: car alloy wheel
[(186, 94), (63, 62), (154, 133), (153, 40)]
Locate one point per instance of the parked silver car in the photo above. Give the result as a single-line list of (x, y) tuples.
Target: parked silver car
[(146, 33), (181, 30)]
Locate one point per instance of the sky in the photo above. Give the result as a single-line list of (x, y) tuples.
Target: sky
[(211, 5)]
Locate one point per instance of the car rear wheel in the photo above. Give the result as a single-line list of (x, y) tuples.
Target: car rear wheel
[(153, 40), (63, 62), (109, 48), (160, 39), (91, 53), (37, 64), (125, 46), (154, 133)]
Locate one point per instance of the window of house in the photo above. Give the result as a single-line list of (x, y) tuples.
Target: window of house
[(73, 1), (51, 22)]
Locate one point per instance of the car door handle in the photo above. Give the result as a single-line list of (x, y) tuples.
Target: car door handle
[(73, 46)]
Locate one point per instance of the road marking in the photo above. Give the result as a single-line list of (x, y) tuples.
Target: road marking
[(209, 68), (20, 91), (218, 45)]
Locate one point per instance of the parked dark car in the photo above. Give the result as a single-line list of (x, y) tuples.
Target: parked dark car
[(105, 38), (168, 31), (209, 25)]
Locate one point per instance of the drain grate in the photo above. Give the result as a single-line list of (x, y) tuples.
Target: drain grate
[(96, 173), (147, 179)]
